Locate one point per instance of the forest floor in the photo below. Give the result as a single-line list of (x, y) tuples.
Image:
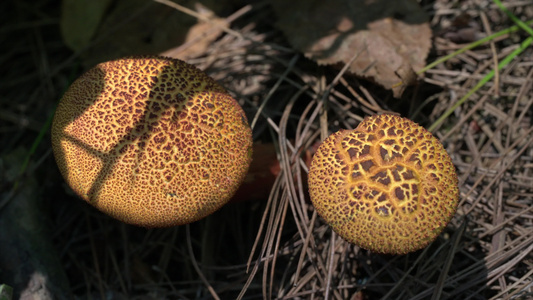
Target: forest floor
[(269, 242)]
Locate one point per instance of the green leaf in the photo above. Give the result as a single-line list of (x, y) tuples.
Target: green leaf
[(80, 19), (6, 292)]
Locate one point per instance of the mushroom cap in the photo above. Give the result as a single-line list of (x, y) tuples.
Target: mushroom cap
[(387, 186), (151, 141)]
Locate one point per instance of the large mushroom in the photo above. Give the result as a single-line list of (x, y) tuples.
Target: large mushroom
[(387, 186), (151, 141)]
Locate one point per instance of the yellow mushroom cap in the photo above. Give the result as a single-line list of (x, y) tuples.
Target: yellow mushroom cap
[(387, 186), (151, 141)]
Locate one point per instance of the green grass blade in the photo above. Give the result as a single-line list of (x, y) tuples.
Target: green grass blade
[(526, 43), (521, 24), (474, 45)]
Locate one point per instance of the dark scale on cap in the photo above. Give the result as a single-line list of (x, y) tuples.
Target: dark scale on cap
[(400, 177)]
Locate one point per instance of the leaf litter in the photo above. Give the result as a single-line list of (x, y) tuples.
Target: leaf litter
[(486, 253), (390, 39)]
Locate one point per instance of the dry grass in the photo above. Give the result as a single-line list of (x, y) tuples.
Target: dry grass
[(279, 248)]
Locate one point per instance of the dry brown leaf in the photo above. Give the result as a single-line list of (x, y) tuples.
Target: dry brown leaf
[(200, 36), (391, 38)]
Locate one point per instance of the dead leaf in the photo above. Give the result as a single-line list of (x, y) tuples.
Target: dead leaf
[(200, 36), (391, 39)]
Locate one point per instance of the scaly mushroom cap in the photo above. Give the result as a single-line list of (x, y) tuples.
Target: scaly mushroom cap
[(387, 186), (151, 141)]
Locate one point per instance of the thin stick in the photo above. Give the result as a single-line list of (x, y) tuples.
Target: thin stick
[(195, 264)]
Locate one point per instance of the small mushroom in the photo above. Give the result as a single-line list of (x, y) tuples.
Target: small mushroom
[(387, 186), (151, 141)]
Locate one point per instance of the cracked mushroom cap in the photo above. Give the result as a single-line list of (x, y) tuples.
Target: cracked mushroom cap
[(151, 141), (387, 186)]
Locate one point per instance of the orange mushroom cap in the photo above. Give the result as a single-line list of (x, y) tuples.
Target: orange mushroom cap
[(387, 186), (151, 141)]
